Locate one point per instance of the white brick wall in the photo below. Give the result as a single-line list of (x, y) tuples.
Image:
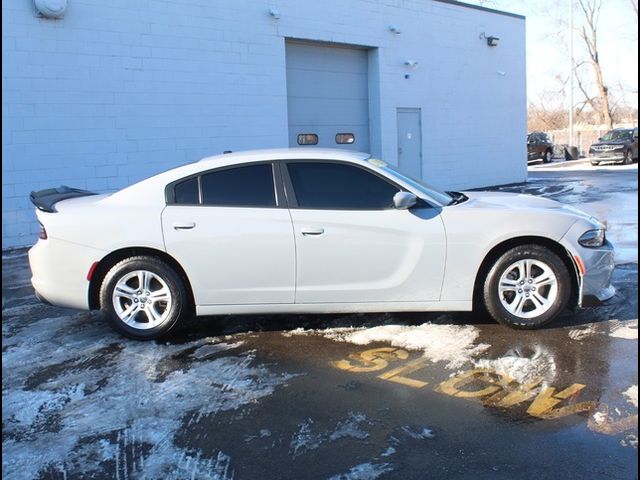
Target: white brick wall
[(119, 90)]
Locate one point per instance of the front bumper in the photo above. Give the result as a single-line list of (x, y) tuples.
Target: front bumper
[(594, 266), (596, 282), (607, 157)]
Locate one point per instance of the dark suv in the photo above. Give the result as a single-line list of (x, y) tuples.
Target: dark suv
[(539, 146), (619, 145)]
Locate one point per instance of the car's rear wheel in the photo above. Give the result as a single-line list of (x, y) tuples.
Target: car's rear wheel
[(546, 158), (143, 297), (527, 287)]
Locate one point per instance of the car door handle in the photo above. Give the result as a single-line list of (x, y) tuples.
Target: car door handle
[(184, 226), (312, 230)]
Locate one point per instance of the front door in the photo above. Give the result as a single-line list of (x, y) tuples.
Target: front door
[(410, 142), (353, 246), (233, 237)]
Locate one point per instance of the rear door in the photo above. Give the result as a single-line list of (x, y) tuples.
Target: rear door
[(231, 231), (352, 245)]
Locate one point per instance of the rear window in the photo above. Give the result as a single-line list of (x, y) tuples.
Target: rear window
[(186, 193), (246, 186)]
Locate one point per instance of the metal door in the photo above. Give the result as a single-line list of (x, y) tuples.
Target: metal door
[(410, 142)]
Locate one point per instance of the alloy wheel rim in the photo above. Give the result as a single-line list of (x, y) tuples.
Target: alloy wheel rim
[(142, 299), (528, 288)]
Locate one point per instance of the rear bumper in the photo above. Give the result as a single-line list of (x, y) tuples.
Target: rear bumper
[(59, 272)]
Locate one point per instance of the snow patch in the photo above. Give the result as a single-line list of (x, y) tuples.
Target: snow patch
[(631, 394), (419, 433), (524, 370), (439, 343), (300, 331), (128, 398), (210, 349), (305, 439), (388, 452), (580, 334), (600, 418), (630, 440), (364, 471), (627, 330)]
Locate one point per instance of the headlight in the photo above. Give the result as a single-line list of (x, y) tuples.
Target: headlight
[(592, 238)]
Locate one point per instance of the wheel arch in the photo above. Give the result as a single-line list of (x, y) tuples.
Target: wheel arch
[(506, 245), (107, 262)]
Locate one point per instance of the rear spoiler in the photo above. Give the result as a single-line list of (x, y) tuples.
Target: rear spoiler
[(45, 200)]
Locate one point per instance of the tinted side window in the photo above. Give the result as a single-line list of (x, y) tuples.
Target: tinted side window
[(248, 186), (338, 186), (187, 192)]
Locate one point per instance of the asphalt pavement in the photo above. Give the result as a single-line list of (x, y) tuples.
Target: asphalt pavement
[(389, 396)]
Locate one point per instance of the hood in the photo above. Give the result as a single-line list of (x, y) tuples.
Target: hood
[(521, 202), (611, 142)]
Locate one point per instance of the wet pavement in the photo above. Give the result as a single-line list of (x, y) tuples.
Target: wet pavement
[(407, 396)]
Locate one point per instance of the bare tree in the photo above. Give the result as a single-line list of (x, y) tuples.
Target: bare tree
[(588, 32)]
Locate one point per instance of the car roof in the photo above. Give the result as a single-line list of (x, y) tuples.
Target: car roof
[(287, 154)]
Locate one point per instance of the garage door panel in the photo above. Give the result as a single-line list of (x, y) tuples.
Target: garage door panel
[(327, 93), (327, 112), (326, 58), (308, 83)]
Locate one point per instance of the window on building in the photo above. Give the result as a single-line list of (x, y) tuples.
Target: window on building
[(245, 186), (307, 139), (345, 138), (337, 186)]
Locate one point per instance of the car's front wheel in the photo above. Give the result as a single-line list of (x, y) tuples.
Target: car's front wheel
[(628, 157), (527, 287), (143, 297), (595, 163), (546, 158)]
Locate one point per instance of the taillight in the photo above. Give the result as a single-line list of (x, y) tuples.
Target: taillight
[(42, 235)]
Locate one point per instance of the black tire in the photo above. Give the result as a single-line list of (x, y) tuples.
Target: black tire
[(546, 157), (175, 309), (595, 164), (490, 293), (628, 158)]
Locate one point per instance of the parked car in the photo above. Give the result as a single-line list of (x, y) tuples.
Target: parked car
[(619, 145), (539, 146), (311, 231)]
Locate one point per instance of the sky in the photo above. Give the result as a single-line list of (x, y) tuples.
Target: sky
[(548, 45)]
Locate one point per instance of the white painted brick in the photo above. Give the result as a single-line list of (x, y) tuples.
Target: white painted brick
[(117, 90)]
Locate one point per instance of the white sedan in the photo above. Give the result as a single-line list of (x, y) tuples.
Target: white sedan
[(311, 231)]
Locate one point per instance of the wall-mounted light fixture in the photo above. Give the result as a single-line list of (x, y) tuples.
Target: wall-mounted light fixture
[(395, 29), (51, 8), (411, 63), (274, 13), (491, 40)]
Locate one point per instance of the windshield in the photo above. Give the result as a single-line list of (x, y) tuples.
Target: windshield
[(617, 135), (439, 196)]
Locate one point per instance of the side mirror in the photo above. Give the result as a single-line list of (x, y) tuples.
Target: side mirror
[(404, 200)]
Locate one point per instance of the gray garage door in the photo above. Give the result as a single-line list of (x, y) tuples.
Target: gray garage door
[(327, 95)]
